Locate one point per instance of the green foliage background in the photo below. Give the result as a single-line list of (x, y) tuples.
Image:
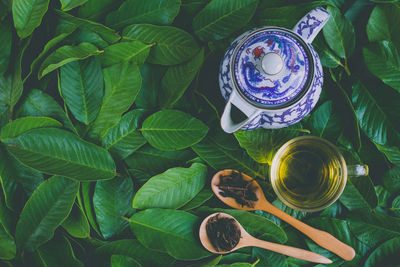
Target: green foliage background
[(109, 115)]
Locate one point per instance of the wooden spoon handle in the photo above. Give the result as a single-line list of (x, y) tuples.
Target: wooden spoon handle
[(322, 238), (289, 251)]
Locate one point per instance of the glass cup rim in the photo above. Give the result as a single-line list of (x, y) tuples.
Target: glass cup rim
[(274, 169)]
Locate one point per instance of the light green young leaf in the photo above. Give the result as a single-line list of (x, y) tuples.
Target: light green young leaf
[(383, 61), (262, 144), (70, 4), (59, 152), (135, 51), (21, 125), (173, 130), (174, 236), (59, 252), (339, 33), (81, 86), (109, 35), (171, 189), (134, 249), (65, 55), (122, 84), (177, 79), (46, 209), (27, 15), (123, 139), (220, 18), (173, 45), (76, 224), (158, 12)]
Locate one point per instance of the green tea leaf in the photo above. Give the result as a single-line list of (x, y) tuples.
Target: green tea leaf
[(383, 61), (132, 248), (386, 254), (94, 9), (76, 224), (111, 200), (359, 193), (21, 125), (109, 35), (159, 12), (85, 198), (198, 200), (373, 228), (123, 261), (391, 180), (56, 151), (148, 94), (262, 144), (59, 252), (173, 45), (46, 209), (171, 189), (396, 206), (5, 45), (173, 130), (122, 84), (123, 139), (176, 236), (177, 79), (126, 51), (328, 58), (339, 33), (8, 249), (65, 55), (70, 4), (27, 15), (382, 24), (81, 86)]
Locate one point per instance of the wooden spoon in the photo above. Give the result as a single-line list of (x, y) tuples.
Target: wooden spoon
[(322, 238), (246, 240)]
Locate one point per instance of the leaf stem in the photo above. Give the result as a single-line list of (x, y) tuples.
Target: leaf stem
[(346, 67)]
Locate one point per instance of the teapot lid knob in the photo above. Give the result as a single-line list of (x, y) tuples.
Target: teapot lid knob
[(272, 63)]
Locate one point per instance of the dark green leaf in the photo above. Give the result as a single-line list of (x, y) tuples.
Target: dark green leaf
[(339, 33), (382, 24), (94, 9), (7, 244), (177, 79), (374, 228), (81, 86), (151, 75), (391, 180), (21, 125), (58, 252), (177, 236), (76, 223), (359, 193), (55, 151), (70, 4), (173, 45), (109, 35), (132, 248), (123, 139), (122, 84), (171, 189), (46, 209), (220, 18), (328, 58), (159, 12), (262, 144), (85, 198), (198, 200), (173, 130), (396, 206), (65, 55), (123, 261), (111, 200), (27, 15), (325, 122), (383, 61), (126, 51), (5, 45), (386, 254)]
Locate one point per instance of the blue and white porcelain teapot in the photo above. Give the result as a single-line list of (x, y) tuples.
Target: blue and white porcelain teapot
[(273, 75)]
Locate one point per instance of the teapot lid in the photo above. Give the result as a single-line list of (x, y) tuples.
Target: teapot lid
[(272, 67)]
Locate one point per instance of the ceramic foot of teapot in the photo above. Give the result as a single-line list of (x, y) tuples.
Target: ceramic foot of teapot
[(273, 75)]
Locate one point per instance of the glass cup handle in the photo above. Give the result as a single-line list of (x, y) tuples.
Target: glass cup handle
[(357, 170)]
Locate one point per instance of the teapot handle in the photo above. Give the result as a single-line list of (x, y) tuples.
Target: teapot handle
[(310, 25), (251, 112)]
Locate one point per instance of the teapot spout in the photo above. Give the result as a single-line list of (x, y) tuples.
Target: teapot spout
[(310, 25)]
